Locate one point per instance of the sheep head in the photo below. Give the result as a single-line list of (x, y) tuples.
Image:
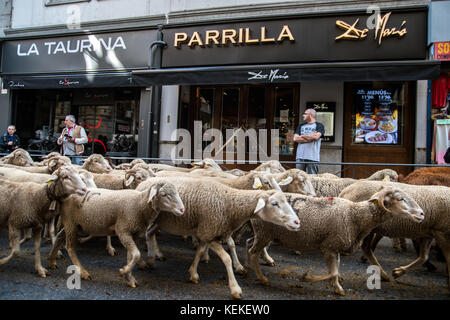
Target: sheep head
[(273, 207), (66, 181), (134, 177), (19, 157), (293, 180), (96, 163), (163, 196), (398, 203)]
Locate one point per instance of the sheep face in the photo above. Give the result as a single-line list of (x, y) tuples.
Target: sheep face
[(165, 197), (19, 157), (272, 166), (68, 181), (398, 203), (55, 163), (134, 177), (88, 179), (97, 164), (295, 181), (274, 208)]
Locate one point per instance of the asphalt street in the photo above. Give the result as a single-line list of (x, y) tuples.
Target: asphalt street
[(169, 279)]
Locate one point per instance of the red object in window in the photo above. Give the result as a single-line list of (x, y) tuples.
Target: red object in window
[(96, 127), (439, 91)]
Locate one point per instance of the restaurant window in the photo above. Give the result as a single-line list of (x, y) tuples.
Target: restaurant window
[(377, 114), (284, 119)]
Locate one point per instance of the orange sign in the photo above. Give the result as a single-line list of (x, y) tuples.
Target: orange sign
[(442, 50)]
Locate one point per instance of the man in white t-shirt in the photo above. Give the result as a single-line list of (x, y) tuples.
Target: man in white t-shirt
[(308, 136)]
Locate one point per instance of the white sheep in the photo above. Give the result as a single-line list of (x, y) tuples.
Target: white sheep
[(214, 211), (27, 205), (125, 213), (435, 202), (18, 157), (332, 226)]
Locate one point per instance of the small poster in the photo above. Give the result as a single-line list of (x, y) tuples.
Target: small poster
[(284, 115), (325, 114)]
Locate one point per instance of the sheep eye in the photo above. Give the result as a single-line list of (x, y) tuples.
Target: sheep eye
[(274, 203), (400, 199), (163, 194)]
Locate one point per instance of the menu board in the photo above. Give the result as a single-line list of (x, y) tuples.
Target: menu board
[(376, 115)]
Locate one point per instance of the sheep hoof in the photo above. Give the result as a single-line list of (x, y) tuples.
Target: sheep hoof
[(397, 272), (265, 281), (340, 292), (270, 263), (237, 295), (112, 252), (363, 259), (122, 271), (194, 278), (150, 263), (241, 270), (132, 284), (85, 275), (53, 265)]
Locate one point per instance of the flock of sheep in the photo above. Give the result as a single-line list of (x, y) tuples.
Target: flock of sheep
[(325, 213)]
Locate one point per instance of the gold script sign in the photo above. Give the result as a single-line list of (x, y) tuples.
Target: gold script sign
[(382, 31)]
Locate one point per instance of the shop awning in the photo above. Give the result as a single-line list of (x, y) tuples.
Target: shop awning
[(65, 81), (337, 71)]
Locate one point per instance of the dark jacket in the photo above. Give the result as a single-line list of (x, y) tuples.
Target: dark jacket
[(4, 142)]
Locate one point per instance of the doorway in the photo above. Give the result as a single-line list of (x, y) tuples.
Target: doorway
[(258, 107)]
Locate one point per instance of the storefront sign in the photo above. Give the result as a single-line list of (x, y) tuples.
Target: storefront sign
[(397, 35), (442, 50), (382, 29), (96, 52)]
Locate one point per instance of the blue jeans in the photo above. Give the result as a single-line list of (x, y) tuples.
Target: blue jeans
[(311, 167), (77, 160)]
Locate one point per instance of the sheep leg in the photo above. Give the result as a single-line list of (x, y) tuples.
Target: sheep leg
[(85, 239), (52, 230), (265, 256), (37, 252), (425, 246), (236, 263), (403, 244), (235, 289), (109, 247), (253, 259), (194, 266), (45, 236), (443, 241), (55, 249), (133, 256), (27, 235), (332, 260), (152, 245), (14, 240), (71, 242), (369, 255), (396, 244)]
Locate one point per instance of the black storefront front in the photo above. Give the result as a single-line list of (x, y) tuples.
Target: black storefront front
[(247, 60)]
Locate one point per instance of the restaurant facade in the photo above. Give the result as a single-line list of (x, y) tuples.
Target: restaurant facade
[(366, 74)]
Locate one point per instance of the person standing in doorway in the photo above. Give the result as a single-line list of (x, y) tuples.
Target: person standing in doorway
[(308, 136), (72, 139), (10, 141)]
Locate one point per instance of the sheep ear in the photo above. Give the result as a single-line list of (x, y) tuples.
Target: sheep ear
[(285, 181), (130, 180), (153, 192), (257, 184), (52, 179), (260, 205), (380, 198)]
